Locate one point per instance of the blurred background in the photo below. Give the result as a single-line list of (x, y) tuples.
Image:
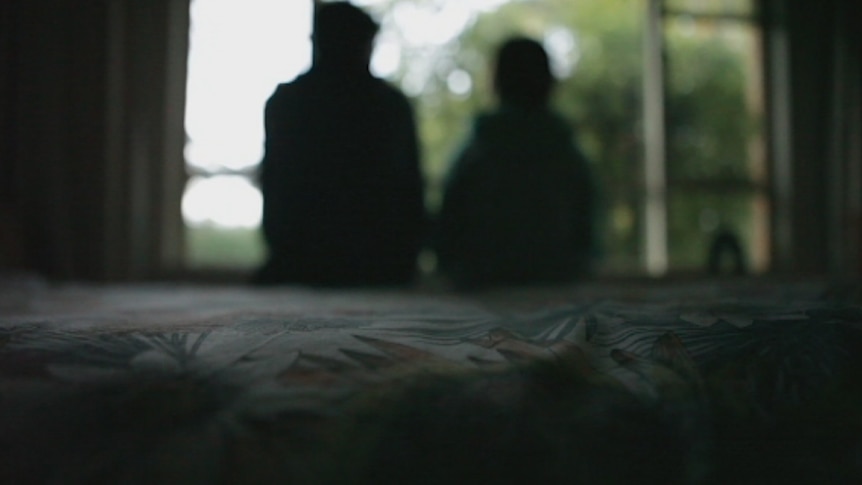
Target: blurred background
[(438, 51), (130, 132)]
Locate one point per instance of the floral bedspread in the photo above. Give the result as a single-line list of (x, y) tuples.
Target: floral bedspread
[(696, 382)]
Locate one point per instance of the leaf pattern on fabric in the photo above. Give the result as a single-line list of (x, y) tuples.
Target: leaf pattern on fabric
[(291, 376)]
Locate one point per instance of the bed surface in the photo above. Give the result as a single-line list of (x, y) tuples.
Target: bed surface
[(687, 382)]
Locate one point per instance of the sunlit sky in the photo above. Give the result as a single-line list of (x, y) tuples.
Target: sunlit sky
[(239, 52)]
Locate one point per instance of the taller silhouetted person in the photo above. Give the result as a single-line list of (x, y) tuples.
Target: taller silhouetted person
[(342, 189), (518, 203)]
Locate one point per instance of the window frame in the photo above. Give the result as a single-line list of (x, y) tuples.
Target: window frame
[(658, 185)]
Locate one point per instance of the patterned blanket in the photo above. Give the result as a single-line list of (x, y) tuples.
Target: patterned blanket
[(694, 382)]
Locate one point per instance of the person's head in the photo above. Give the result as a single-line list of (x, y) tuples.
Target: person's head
[(343, 35), (522, 74)]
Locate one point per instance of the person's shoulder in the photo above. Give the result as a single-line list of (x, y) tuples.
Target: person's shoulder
[(550, 123), (387, 97), (298, 83), (389, 91), (488, 120), (555, 116), (559, 119), (485, 128), (283, 91), (288, 93), (498, 124)]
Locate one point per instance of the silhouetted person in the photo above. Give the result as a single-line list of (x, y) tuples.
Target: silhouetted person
[(518, 203), (726, 255), (342, 190)]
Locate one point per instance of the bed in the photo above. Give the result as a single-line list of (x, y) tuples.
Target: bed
[(720, 381)]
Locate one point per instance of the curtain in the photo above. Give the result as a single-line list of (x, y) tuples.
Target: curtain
[(814, 86), (91, 160), (146, 65)]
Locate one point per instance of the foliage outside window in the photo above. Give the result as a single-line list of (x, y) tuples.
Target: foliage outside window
[(714, 169), (715, 165)]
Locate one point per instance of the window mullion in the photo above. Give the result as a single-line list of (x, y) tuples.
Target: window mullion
[(655, 227)]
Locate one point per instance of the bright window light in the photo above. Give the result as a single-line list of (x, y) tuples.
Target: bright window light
[(205, 202), (239, 52)]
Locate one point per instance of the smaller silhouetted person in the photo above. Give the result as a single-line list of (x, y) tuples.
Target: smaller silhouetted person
[(342, 190), (518, 203), (726, 255)]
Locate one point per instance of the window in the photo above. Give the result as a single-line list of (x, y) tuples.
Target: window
[(238, 53), (717, 174), (665, 97)]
